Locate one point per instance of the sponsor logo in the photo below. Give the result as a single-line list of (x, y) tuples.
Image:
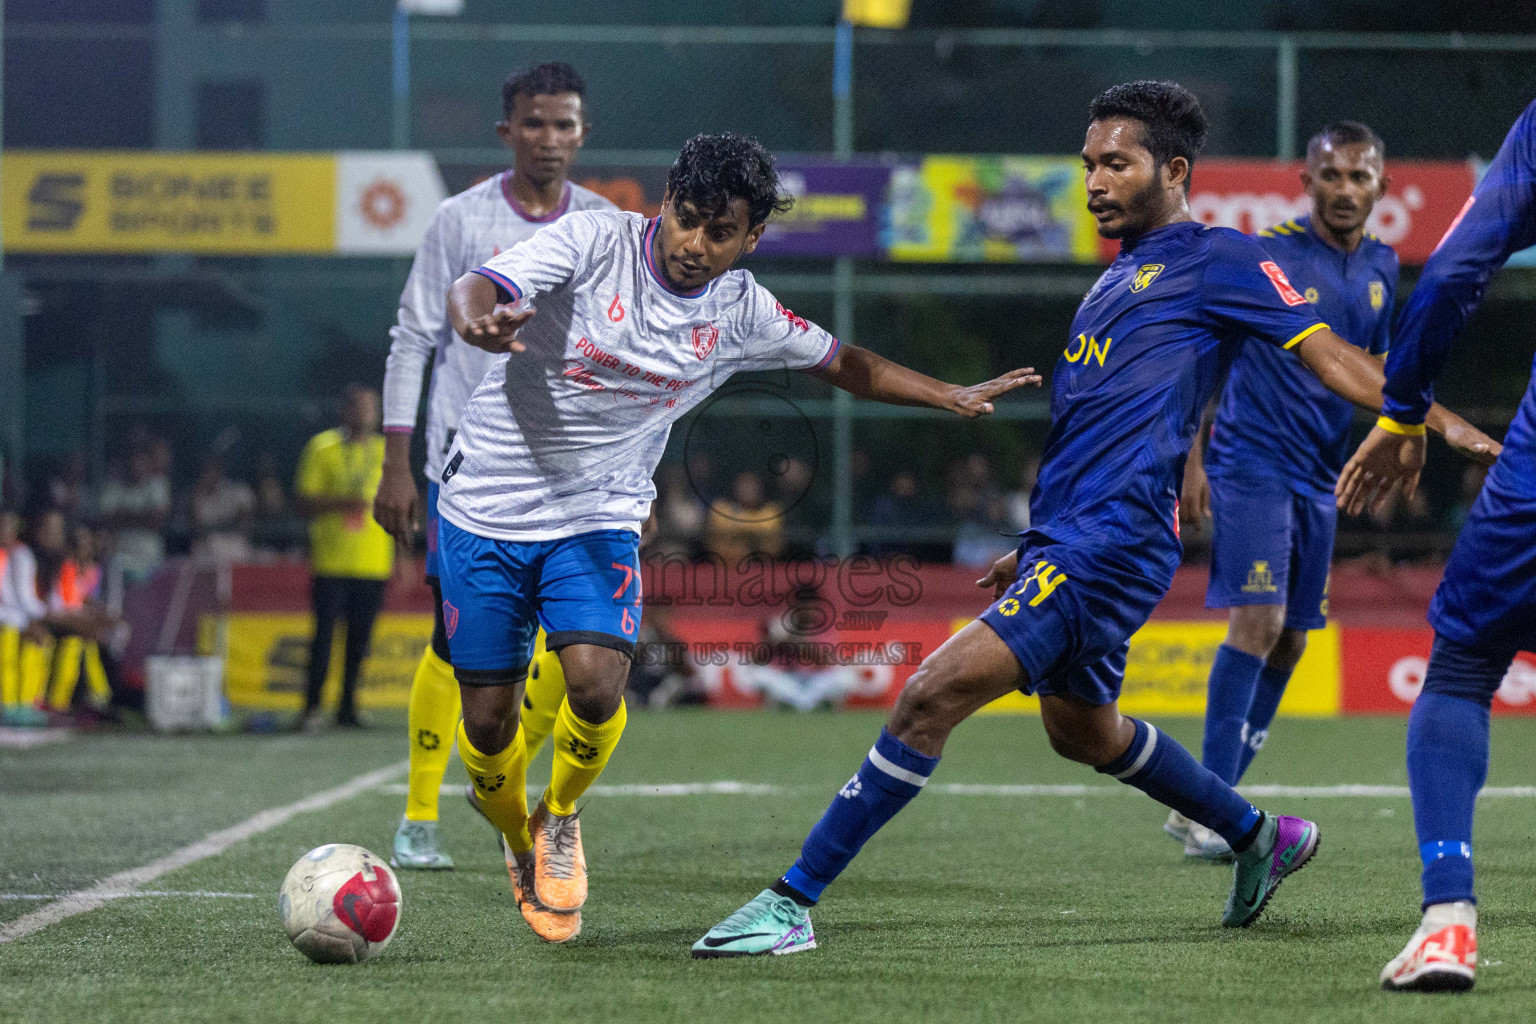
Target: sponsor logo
[(1088, 348), (450, 619), (1145, 276), (704, 338), (1378, 293), (616, 309), (426, 739), (1289, 295), (586, 753), (1260, 579), (851, 789), (789, 314), (1311, 295), (55, 202), (382, 204)]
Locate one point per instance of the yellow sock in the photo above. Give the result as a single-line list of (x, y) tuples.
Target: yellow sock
[(501, 784), (67, 656), (34, 671), (542, 700), (96, 674), (10, 666), (434, 712), (581, 752)]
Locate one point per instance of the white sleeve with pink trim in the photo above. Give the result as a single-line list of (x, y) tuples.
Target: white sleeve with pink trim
[(553, 257), (774, 338)]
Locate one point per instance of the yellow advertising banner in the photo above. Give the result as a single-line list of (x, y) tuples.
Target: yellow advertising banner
[(205, 203), (1169, 663), (269, 656)]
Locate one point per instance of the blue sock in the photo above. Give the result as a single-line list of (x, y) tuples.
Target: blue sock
[(1155, 764), (1266, 701), (890, 776), (1234, 674), (1448, 762)]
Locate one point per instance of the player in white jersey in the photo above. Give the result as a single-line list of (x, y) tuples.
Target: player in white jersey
[(544, 125), (634, 322)]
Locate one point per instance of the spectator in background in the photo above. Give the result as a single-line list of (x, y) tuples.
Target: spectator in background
[(273, 524), (68, 486), (351, 556), (744, 524), (223, 512), (1472, 478), (679, 515), (1018, 501), (134, 506)]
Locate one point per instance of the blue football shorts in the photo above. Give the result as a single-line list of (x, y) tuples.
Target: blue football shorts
[(1069, 617), (1487, 597), (1271, 546), (496, 593)]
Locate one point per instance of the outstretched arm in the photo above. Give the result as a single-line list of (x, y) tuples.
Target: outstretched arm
[(864, 374), (1354, 375), (472, 310)]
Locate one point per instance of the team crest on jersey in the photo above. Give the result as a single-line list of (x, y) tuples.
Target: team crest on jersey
[(1378, 295), (1288, 294), (1145, 276), (704, 338)]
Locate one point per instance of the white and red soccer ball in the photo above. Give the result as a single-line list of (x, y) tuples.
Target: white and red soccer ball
[(340, 904)]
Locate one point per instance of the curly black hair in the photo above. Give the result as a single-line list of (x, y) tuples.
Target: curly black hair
[(1172, 122), (1345, 133), (714, 169), (549, 79)]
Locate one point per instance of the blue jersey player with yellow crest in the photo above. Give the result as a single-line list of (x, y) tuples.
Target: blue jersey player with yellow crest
[(1145, 352), (1485, 608), (1279, 441)]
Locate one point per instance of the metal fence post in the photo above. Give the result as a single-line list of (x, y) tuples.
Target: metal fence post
[(400, 66), (1285, 82), (842, 303)]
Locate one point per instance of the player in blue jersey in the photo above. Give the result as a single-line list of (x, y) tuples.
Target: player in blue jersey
[(1146, 350), (1485, 608), (1279, 441)]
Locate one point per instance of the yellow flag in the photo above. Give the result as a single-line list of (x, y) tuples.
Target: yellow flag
[(877, 13)]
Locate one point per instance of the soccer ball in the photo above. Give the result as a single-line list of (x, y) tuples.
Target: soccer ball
[(340, 904)]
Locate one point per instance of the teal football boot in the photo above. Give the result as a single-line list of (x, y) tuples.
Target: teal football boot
[(771, 925), (1283, 847), (416, 848)]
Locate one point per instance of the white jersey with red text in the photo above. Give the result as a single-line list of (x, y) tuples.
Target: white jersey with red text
[(466, 230), (563, 438)]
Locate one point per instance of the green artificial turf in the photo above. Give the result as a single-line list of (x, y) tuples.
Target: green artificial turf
[(965, 908)]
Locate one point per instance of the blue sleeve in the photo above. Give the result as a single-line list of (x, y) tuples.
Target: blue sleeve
[(1498, 220), (1246, 293), (1381, 338)]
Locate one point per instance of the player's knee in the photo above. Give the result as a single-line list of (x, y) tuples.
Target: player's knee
[(1256, 628), (594, 680), (489, 728), (1456, 670), (1288, 649), (926, 702), (1076, 744)]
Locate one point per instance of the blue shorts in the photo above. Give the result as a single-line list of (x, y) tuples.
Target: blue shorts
[(1487, 597), (496, 593), (1069, 617), (431, 559), (1271, 546)]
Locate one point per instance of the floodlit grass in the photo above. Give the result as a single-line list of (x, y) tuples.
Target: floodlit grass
[(966, 908)]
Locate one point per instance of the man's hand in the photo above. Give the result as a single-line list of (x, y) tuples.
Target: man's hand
[(1002, 574), (396, 505), (1469, 442), (1384, 463), (496, 331), (1195, 500), (976, 400)]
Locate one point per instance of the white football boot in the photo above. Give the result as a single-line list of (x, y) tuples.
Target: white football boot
[(1441, 956)]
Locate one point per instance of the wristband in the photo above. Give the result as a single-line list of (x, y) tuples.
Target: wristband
[(1391, 426)]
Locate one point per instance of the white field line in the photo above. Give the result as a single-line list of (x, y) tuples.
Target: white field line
[(210, 845), (732, 788), (137, 894)]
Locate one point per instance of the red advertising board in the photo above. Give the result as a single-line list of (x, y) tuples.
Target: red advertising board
[(1384, 671), (1248, 195)]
